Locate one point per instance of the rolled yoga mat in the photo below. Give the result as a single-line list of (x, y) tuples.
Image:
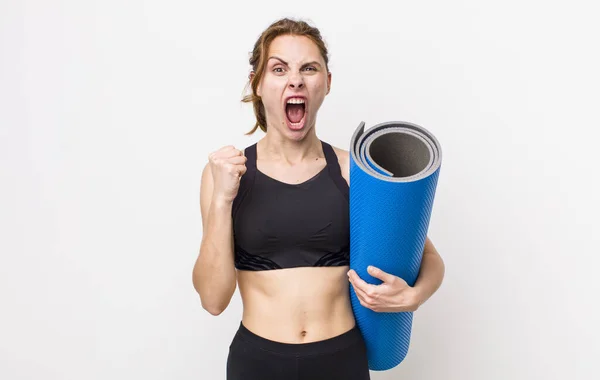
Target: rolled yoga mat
[(394, 168)]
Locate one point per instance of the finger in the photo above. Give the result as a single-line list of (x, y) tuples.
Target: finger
[(380, 274), (219, 152), (363, 303), (225, 149), (237, 160), (236, 169), (359, 293), (358, 282), (366, 303), (229, 153), (362, 295)]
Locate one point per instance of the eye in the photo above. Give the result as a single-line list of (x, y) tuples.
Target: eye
[(278, 68), (311, 67)]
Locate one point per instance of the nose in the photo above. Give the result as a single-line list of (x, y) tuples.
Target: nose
[(296, 81)]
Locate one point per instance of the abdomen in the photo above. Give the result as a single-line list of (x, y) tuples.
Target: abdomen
[(296, 305)]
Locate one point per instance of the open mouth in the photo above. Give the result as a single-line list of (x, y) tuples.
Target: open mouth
[(295, 111)]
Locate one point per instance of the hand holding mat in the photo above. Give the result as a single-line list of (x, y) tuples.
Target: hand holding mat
[(394, 168)]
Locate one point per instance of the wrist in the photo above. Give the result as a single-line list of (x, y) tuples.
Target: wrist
[(418, 297), (221, 202)]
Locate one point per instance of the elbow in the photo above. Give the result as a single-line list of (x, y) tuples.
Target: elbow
[(215, 304), (214, 297), (213, 310)]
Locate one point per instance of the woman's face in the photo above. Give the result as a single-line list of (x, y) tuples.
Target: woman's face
[(294, 85)]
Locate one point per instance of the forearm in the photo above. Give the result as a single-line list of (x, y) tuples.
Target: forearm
[(431, 273), (214, 274)]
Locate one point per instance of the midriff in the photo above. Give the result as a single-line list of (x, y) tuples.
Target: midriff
[(296, 305)]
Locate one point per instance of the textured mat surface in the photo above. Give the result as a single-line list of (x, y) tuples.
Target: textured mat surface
[(394, 168)]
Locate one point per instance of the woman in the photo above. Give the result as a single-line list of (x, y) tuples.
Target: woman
[(275, 222)]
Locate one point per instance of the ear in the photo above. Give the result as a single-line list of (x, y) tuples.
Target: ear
[(328, 83)]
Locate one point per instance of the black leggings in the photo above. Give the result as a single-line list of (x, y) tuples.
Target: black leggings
[(252, 357)]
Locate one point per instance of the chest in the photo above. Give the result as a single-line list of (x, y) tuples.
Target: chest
[(315, 216)]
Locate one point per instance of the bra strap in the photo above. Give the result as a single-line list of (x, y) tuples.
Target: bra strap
[(250, 153), (247, 179), (334, 168)]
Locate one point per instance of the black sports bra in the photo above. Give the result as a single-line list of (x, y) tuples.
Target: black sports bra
[(278, 225)]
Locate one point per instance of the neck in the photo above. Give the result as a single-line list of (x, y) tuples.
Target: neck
[(277, 147)]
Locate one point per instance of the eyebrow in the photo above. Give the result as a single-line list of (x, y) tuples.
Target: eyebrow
[(285, 63)]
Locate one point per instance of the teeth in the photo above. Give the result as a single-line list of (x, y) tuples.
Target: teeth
[(295, 101)]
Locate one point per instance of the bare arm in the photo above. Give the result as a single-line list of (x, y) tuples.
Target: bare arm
[(214, 276), (431, 273)]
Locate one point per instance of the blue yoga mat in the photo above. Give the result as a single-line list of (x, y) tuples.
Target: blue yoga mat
[(394, 168)]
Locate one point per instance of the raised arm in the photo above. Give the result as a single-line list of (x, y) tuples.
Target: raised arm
[(214, 276)]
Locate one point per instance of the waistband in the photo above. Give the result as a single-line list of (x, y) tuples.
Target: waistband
[(346, 339)]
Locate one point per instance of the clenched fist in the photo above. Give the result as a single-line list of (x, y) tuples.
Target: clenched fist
[(227, 166)]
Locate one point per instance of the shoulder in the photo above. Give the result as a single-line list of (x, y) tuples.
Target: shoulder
[(344, 161)]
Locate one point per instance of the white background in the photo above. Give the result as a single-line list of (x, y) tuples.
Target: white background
[(109, 109)]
